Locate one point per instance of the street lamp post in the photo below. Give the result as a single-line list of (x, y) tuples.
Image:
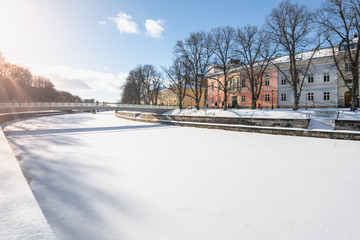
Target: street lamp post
[(272, 99)]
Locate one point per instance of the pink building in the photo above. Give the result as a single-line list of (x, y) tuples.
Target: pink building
[(239, 93)]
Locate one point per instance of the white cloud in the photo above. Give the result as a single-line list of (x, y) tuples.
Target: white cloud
[(154, 28), (102, 22), (125, 23)]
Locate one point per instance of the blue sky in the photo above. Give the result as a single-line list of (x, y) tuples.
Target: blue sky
[(88, 46)]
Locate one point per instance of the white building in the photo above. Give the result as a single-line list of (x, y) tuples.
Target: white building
[(320, 88)]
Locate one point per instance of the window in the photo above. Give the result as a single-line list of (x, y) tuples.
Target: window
[(212, 86), (212, 100), (219, 100), (283, 80), (326, 76), (283, 97), (267, 97), (234, 83), (326, 96), (243, 98), (343, 46), (267, 80), (310, 96), (347, 66), (242, 83), (310, 78)]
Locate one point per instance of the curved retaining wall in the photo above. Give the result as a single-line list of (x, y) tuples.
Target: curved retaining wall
[(20, 214), (7, 117), (267, 128), (264, 122), (349, 125)]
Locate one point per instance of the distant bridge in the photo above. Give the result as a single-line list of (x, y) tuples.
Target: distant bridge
[(80, 106)]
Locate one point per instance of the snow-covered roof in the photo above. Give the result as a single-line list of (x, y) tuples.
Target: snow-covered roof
[(187, 86), (321, 53), (278, 59)]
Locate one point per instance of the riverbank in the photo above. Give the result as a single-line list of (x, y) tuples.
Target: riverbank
[(321, 123), (20, 214)]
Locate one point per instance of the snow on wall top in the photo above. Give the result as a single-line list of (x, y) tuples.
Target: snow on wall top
[(20, 214)]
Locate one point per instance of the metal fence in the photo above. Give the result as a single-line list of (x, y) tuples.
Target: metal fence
[(81, 104)]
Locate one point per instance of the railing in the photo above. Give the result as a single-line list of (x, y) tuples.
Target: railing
[(120, 105), (81, 104)]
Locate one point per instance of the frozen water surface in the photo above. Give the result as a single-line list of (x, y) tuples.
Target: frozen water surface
[(102, 177)]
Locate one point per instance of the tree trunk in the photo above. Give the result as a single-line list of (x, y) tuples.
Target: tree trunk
[(253, 104), (296, 102), (197, 105), (353, 105), (225, 101), (354, 90)]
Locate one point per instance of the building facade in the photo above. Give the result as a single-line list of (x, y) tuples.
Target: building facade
[(167, 97), (320, 87), (239, 93), (323, 86)]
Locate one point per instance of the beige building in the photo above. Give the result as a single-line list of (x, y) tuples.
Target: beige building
[(167, 97)]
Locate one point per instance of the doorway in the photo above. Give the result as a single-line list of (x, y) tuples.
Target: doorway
[(347, 99), (234, 101)]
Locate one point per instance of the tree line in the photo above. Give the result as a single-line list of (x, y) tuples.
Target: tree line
[(18, 84), (142, 85), (291, 29)]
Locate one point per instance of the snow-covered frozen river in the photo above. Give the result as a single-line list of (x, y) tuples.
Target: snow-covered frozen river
[(101, 177)]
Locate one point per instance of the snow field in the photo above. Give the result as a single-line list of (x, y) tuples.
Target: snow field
[(101, 177)]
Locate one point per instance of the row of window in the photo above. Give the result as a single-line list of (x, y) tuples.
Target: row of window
[(310, 78), (283, 98), (234, 83), (309, 96), (170, 95)]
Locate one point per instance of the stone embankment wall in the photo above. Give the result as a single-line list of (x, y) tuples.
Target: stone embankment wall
[(350, 125), (130, 114), (6, 117), (22, 217), (265, 122), (292, 127)]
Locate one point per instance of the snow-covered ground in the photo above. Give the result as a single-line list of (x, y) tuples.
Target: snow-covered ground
[(96, 176), (343, 113)]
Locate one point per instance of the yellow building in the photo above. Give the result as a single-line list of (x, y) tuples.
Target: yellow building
[(168, 98)]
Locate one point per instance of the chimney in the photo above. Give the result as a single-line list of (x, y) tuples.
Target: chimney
[(233, 61)]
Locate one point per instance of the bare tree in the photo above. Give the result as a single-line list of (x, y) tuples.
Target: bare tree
[(195, 53), (43, 89), (339, 21), (20, 81), (132, 87), (179, 78), (223, 43), (254, 51), (143, 83), (290, 26), (151, 83), (155, 86), (19, 84)]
